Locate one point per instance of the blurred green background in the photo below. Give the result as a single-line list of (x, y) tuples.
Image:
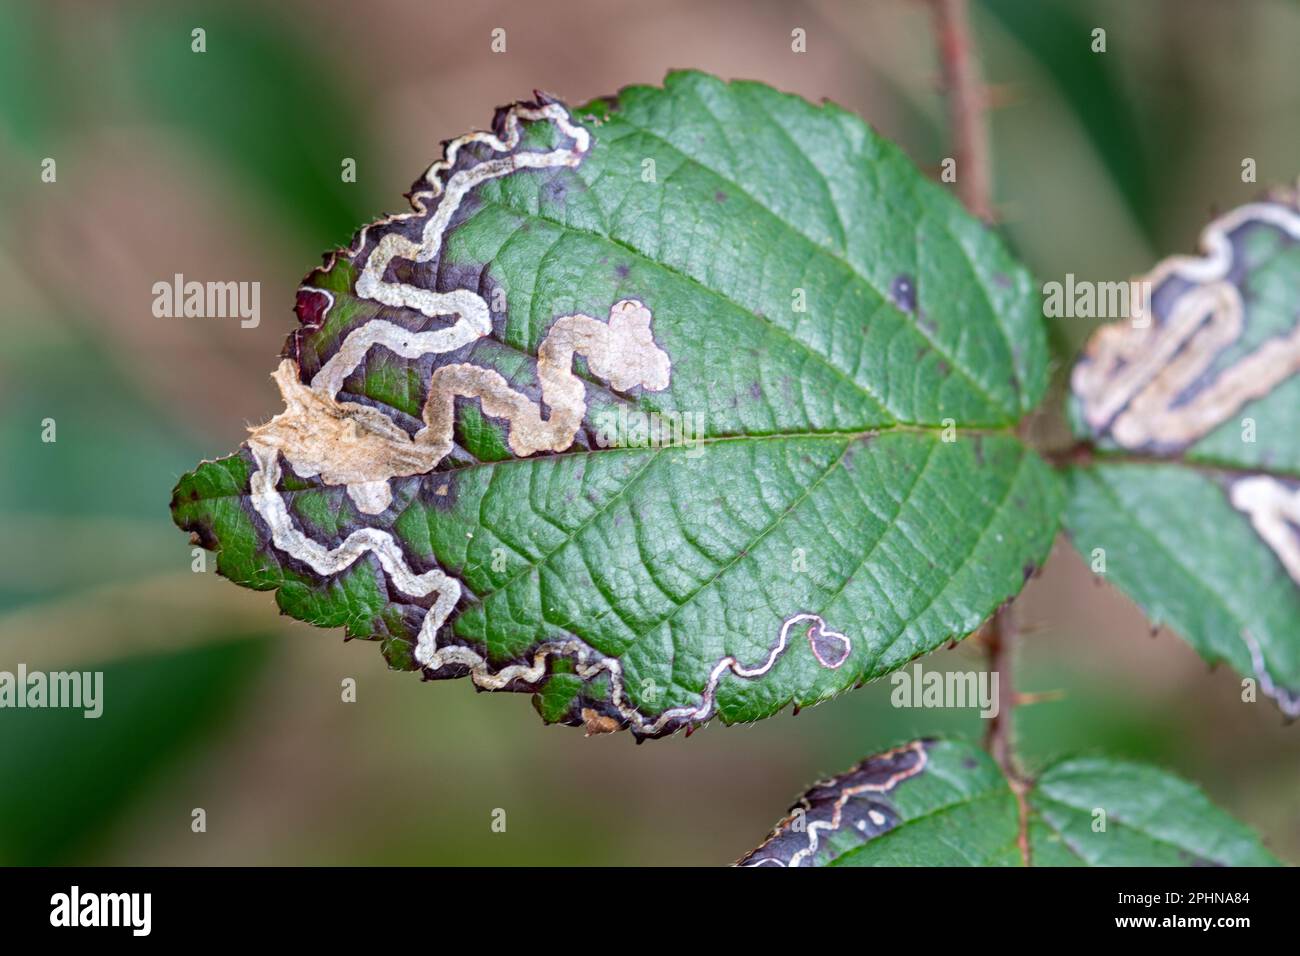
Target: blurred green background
[(225, 166)]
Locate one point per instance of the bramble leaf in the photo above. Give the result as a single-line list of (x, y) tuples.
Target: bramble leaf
[(929, 802), (696, 401), (946, 803), (1151, 818), (1202, 385)]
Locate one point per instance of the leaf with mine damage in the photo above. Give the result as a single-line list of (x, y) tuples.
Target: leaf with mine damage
[(697, 401), (927, 803), (1200, 386), (946, 803)]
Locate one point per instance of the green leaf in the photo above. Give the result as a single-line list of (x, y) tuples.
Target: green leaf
[(1151, 818), (724, 419), (1171, 539), (928, 803), (1203, 529), (945, 803)]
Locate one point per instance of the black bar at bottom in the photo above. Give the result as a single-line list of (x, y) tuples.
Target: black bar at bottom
[(337, 905)]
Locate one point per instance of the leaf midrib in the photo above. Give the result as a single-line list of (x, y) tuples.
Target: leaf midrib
[(849, 436), (1206, 466)]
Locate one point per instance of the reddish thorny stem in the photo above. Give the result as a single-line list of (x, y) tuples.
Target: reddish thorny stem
[(966, 101), (1001, 636)]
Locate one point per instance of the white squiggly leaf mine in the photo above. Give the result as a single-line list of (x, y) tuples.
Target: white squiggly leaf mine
[(360, 447), (857, 801), (1152, 385), (1144, 383)]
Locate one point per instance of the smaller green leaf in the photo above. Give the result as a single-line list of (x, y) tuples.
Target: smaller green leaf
[(927, 803), (946, 803), (1170, 539), (1204, 378), (1096, 811)]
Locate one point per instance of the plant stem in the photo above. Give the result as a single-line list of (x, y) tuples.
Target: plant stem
[(1002, 636), (961, 76), (966, 101), (1001, 640)]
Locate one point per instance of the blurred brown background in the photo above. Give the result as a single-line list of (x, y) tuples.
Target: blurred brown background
[(225, 166)]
